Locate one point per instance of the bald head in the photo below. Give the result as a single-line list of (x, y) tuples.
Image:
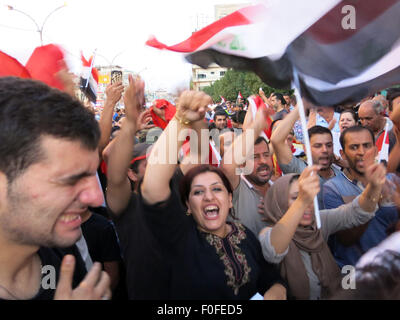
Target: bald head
[(371, 115)]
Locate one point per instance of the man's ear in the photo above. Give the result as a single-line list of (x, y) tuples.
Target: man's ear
[(188, 208), (3, 189), (343, 154), (132, 175)]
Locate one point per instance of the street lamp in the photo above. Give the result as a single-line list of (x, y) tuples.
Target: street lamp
[(39, 29), (111, 63)]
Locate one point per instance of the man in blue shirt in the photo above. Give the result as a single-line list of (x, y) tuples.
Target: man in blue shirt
[(359, 150)]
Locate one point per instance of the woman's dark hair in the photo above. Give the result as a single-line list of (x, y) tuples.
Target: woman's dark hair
[(294, 178), (392, 93), (186, 182), (353, 114)]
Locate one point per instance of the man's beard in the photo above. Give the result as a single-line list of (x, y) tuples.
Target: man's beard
[(352, 165), (328, 166), (260, 181)]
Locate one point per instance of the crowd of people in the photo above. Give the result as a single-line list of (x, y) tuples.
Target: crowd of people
[(196, 200)]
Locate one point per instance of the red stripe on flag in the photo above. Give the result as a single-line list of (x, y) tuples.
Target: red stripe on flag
[(237, 18), (329, 28), (45, 62), (10, 66), (260, 104), (85, 63), (379, 142)]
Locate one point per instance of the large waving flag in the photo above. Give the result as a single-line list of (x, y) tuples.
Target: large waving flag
[(12, 67), (341, 50), (44, 64), (89, 78)]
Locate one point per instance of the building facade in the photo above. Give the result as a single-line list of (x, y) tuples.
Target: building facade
[(206, 77)]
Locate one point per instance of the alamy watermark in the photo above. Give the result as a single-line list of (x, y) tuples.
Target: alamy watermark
[(349, 20), (198, 149), (49, 277), (349, 278)]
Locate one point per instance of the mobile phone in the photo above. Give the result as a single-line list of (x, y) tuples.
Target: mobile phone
[(116, 76)]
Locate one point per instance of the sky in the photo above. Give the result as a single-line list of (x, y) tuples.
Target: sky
[(116, 29)]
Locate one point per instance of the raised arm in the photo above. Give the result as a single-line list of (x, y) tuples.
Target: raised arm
[(242, 146), (394, 156), (376, 177), (114, 93), (282, 150), (284, 230), (200, 155), (162, 162), (358, 212), (120, 153)]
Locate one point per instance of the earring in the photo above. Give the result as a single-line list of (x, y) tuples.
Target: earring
[(188, 213)]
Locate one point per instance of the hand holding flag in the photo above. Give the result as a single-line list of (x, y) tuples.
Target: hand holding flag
[(89, 78)]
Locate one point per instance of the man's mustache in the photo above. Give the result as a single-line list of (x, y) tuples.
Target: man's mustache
[(263, 167)]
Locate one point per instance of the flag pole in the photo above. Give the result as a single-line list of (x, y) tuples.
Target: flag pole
[(296, 85), (383, 142)]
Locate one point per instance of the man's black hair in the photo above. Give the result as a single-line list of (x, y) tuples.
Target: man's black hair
[(352, 129), (239, 116), (279, 96), (29, 111), (318, 130), (220, 113)]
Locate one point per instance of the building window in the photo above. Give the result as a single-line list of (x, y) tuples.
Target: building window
[(201, 76), (222, 73), (212, 72)]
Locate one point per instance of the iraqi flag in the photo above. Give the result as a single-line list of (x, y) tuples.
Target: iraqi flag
[(342, 51), (89, 78), (382, 143), (222, 99), (239, 96), (10, 66)]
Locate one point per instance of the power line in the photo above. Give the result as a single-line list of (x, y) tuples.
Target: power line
[(16, 28)]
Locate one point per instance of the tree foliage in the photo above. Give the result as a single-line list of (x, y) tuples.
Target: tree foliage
[(247, 83)]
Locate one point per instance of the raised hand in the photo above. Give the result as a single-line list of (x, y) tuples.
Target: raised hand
[(143, 121), (134, 98), (312, 118), (260, 206), (192, 106), (376, 175), (332, 123), (309, 184), (261, 116), (95, 286), (114, 92)]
